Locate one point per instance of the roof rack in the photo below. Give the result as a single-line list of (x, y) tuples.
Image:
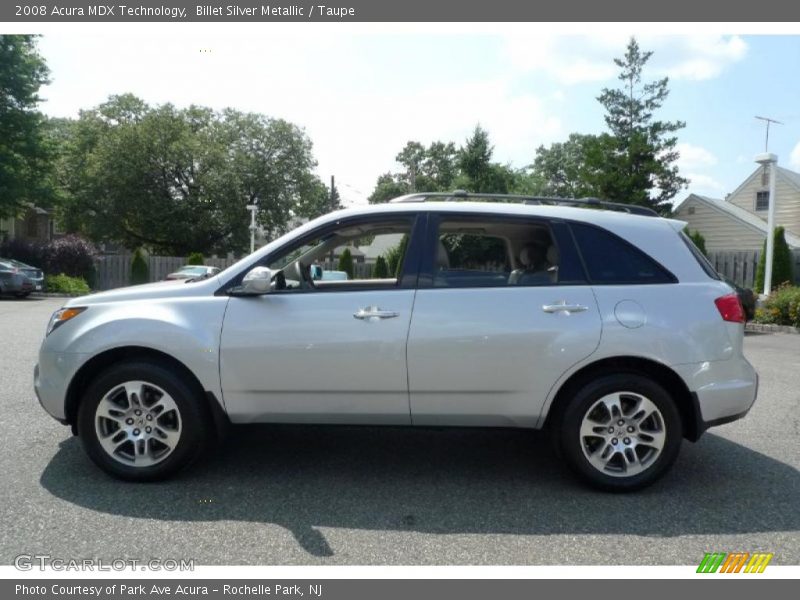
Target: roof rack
[(457, 195)]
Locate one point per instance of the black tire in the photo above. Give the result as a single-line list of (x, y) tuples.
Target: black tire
[(196, 423), (22, 294), (571, 445)]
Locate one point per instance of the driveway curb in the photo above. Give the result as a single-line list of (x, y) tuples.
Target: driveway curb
[(770, 328)]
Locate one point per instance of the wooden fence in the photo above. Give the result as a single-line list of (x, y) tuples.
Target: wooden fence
[(114, 270), (741, 265)]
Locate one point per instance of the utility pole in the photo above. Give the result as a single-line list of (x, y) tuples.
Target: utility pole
[(769, 161), (252, 208), (333, 191)]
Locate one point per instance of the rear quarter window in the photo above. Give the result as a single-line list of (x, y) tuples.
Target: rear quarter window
[(611, 260), (701, 259)]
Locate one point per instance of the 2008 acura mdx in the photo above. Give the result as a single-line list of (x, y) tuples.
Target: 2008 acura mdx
[(600, 322)]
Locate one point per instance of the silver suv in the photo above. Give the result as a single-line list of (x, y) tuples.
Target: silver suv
[(600, 322)]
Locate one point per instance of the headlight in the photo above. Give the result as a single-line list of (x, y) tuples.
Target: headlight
[(63, 315)]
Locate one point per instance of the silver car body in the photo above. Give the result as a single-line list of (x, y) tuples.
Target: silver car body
[(303, 358)]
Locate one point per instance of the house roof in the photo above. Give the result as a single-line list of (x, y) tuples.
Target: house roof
[(790, 176), (782, 173), (739, 214)]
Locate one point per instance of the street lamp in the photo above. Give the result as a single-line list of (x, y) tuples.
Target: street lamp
[(252, 208), (769, 160)]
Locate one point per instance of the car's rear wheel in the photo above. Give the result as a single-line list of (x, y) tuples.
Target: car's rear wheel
[(141, 421), (620, 432)]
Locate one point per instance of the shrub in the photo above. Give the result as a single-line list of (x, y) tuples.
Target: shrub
[(196, 258), (31, 253), (781, 262), (381, 270), (698, 240), (782, 307), (64, 284), (346, 263), (140, 273), (395, 255), (71, 255)]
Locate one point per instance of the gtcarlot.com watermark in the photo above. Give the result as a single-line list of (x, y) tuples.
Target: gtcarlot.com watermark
[(43, 562)]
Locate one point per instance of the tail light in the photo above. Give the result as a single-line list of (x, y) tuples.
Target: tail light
[(730, 308)]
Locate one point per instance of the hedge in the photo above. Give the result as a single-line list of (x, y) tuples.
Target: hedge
[(64, 284), (70, 255)]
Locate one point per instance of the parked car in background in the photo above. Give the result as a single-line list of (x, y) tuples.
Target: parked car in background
[(320, 274), (35, 275), (193, 272), (13, 280)]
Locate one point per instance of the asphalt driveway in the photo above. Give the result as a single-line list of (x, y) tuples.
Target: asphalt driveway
[(342, 495)]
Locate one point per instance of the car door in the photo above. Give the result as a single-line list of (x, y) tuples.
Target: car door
[(334, 351), (482, 350)]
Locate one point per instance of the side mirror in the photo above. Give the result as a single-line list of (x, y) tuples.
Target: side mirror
[(257, 281)]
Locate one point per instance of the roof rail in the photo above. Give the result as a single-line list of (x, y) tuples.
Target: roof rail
[(457, 195)]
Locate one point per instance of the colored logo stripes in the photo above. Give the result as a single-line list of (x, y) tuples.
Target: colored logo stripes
[(734, 562)]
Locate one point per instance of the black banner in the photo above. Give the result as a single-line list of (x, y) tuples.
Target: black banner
[(401, 11), (386, 589)]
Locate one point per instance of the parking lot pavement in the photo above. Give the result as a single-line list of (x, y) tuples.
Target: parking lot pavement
[(342, 495)]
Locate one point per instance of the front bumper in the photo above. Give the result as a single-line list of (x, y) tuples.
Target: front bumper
[(51, 378)]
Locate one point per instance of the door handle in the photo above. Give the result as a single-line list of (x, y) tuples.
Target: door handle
[(373, 312), (564, 307)]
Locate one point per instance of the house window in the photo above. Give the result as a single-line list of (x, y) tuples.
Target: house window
[(762, 200), (690, 210)]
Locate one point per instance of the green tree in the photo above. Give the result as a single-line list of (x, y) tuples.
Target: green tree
[(195, 258), (781, 262), (346, 263), (475, 161), (563, 170), (698, 240), (25, 154), (381, 270), (387, 188), (140, 272), (640, 166), (178, 180), (395, 255)]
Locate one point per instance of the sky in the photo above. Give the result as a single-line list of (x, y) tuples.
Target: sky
[(362, 94)]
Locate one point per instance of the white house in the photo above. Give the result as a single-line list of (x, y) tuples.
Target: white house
[(739, 222)]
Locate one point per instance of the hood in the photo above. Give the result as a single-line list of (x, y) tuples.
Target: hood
[(177, 288)]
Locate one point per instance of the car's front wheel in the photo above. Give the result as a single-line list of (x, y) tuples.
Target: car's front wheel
[(141, 421), (620, 432)]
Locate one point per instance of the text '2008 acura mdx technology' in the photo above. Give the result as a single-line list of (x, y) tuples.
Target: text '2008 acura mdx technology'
[(599, 322)]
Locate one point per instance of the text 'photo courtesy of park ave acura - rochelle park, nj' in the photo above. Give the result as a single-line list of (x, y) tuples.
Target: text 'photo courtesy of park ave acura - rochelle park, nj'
[(463, 296)]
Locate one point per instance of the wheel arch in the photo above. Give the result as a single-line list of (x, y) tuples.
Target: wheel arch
[(686, 400), (100, 362)]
